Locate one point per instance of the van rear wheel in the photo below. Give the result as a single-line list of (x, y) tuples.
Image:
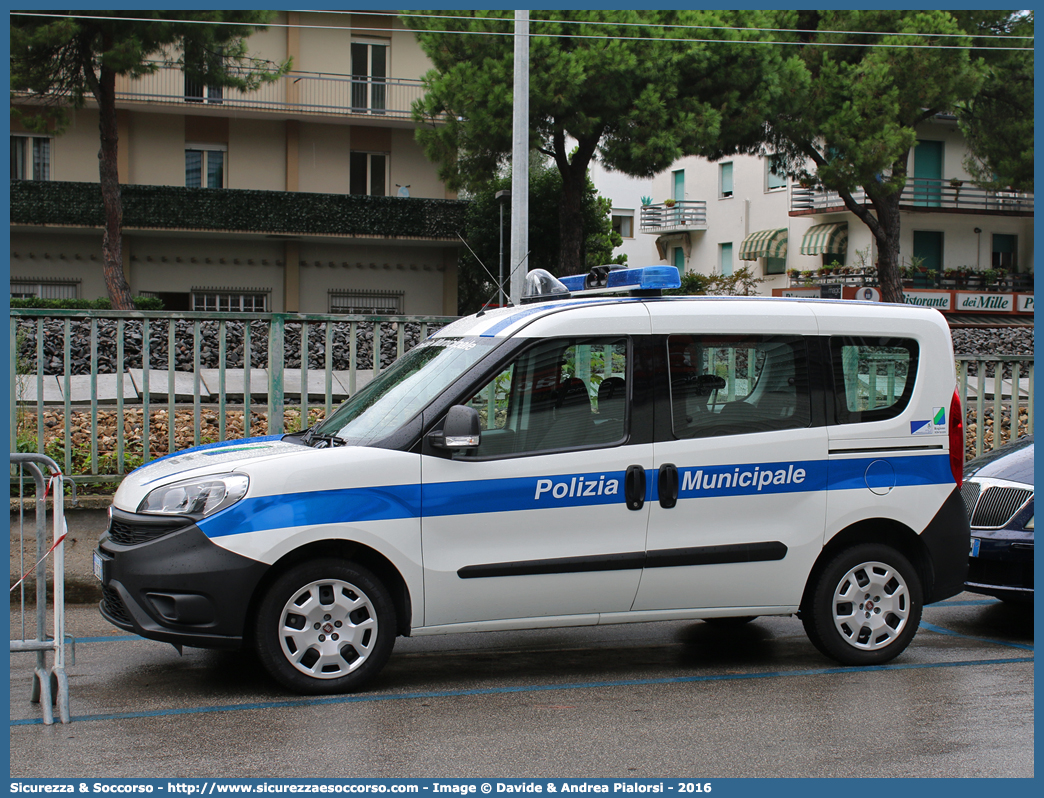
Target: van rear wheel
[(865, 606), (325, 627)]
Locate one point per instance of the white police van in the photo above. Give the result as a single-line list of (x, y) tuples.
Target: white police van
[(594, 459)]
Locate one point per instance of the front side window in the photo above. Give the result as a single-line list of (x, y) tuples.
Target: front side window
[(205, 166), (560, 394), (873, 377), (732, 385)]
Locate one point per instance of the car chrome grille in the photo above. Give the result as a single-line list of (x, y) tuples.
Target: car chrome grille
[(993, 506)]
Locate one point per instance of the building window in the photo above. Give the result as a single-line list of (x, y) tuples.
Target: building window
[(369, 76), (725, 259), (367, 173), (725, 171), (28, 288), (375, 303), (774, 179), (1004, 249), (775, 265), (30, 158), (678, 185), (205, 165), (623, 223), (233, 300)]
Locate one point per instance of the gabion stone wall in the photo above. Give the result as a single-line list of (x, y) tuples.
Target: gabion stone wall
[(133, 357)]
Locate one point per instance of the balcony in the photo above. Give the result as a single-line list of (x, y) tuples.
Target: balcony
[(300, 94), (680, 217), (60, 204), (921, 194)]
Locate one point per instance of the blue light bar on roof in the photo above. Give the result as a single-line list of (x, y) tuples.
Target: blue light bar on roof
[(645, 278)]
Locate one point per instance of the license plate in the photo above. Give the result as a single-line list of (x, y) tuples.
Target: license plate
[(98, 566), (975, 547)]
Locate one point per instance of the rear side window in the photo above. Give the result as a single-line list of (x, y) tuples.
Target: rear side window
[(731, 385), (873, 377)]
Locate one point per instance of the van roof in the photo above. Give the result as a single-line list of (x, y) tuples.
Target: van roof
[(505, 322)]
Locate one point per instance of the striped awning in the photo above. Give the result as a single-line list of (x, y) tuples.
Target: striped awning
[(822, 238), (764, 244)]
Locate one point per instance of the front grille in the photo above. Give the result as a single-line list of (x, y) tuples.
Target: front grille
[(113, 605), (996, 506), (970, 493), (127, 533)]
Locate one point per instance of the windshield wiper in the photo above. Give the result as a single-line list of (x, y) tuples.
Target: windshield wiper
[(325, 441), (311, 437)]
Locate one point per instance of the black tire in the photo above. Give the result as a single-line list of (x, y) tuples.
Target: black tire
[(733, 622), (325, 626), (865, 605)]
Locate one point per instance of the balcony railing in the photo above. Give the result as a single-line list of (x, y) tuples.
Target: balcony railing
[(682, 216), (921, 194), (300, 93)]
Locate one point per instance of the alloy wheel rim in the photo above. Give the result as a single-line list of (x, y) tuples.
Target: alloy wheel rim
[(871, 606), (328, 629)]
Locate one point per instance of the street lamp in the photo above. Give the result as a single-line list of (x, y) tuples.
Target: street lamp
[(501, 197)]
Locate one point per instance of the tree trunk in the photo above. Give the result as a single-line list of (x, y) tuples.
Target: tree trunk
[(112, 203), (887, 235), (571, 225), (885, 225)]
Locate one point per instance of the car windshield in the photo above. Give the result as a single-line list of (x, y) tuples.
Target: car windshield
[(407, 387)]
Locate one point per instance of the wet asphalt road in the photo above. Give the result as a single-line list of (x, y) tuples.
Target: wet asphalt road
[(678, 699)]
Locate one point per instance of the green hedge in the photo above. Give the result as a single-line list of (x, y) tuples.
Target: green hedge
[(140, 303), (60, 203)]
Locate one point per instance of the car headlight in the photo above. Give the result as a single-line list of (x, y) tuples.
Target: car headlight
[(202, 496)]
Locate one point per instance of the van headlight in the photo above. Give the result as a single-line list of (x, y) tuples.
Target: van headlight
[(201, 496)]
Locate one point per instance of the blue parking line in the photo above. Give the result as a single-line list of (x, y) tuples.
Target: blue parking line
[(931, 627), (356, 699)]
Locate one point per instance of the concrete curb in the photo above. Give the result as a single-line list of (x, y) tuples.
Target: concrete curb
[(85, 522)]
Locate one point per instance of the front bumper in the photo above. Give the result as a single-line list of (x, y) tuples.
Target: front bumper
[(164, 579), (1002, 564)]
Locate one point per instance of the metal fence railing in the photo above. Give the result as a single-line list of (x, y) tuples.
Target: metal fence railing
[(104, 391), (996, 394), (919, 192), (35, 564), (101, 392)]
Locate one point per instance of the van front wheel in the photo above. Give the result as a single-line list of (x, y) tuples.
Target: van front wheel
[(325, 627), (865, 605)]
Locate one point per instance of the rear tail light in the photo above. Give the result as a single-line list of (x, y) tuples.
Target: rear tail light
[(956, 439)]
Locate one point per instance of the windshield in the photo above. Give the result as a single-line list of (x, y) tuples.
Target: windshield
[(406, 388)]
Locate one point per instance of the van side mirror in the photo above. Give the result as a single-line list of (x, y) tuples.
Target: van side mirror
[(460, 430)]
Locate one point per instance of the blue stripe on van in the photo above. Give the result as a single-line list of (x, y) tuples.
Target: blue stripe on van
[(359, 505)]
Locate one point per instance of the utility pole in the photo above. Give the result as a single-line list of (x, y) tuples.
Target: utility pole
[(520, 161)]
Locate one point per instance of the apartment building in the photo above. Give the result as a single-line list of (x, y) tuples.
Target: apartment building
[(712, 217), (309, 195)]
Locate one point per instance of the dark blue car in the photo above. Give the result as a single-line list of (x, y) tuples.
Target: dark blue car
[(998, 492)]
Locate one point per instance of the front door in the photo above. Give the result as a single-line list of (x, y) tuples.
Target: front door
[(534, 522)]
